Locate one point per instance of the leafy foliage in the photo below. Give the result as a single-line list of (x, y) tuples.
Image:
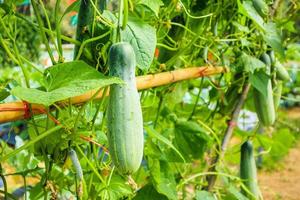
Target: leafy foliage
[(184, 122)]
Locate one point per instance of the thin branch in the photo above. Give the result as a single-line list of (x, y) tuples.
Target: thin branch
[(211, 179)]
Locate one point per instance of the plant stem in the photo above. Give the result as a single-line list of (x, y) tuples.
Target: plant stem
[(48, 31), (48, 23), (100, 105), (31, 142), (42, 32), (88, 41), (211, 179), (197, 99), (90, 164), (25, 186), (58, 32), (4, 183)]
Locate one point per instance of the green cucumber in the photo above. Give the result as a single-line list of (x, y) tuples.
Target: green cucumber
[(272, 57), (261, 7), (85, 16), (281, 72), (248, 172), (277, 90), (125, 121), (267, 60), (264, 105)]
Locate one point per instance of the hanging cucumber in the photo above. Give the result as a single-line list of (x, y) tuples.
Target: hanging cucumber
[(248, 172), (79, 174), (272, 57), (125, 121), (264, 103), (281, 72), (267, 60), (277, 90), (85, 16)]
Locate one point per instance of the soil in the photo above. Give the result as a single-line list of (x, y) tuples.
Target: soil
[(284, 183)]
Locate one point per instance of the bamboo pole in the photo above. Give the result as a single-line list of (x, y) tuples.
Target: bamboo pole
[(16, 110)]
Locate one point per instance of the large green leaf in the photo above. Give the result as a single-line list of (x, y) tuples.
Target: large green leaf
[(273, 38), (148, 192), (152, 5), (234, 193), (116, 189), (190, 139), (249, 63), (204, 195), (163, 178), (63, 81), (259, 80), (142, 37), (154, 134), (247, 9)]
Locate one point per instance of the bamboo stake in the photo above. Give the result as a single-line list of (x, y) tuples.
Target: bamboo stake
[(16, 111)]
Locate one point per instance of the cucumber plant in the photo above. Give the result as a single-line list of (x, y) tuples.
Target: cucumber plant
[(160, 143)]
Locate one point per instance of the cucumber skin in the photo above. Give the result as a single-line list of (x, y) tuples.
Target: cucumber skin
[(267, 60), (264, 105), (272, 57), (281, 72), (85, 16), (248, 171), (76, 164), (277, 94), (125, 120)]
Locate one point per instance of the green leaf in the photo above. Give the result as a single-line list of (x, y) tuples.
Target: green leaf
[(204, 195), (3, 94), (250, 63), (153, 5), (190, 139), (148, 192), (235, 193), (273, 38), (117, 188), (153, 133), (247, 9), (177, 94), (240, 27), (163, 178), (142, 37), (63, 81), (73, 7), (260, 80)]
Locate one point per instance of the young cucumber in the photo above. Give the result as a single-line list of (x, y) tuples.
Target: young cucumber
[(125, 121), (85, 16), (248, 171), (281, 72), (277, 90), (264, 103)]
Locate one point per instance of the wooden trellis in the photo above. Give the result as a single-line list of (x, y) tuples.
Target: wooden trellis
[(19, 110)]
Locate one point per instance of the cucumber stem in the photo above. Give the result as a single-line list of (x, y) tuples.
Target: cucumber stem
[(125, 14)]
